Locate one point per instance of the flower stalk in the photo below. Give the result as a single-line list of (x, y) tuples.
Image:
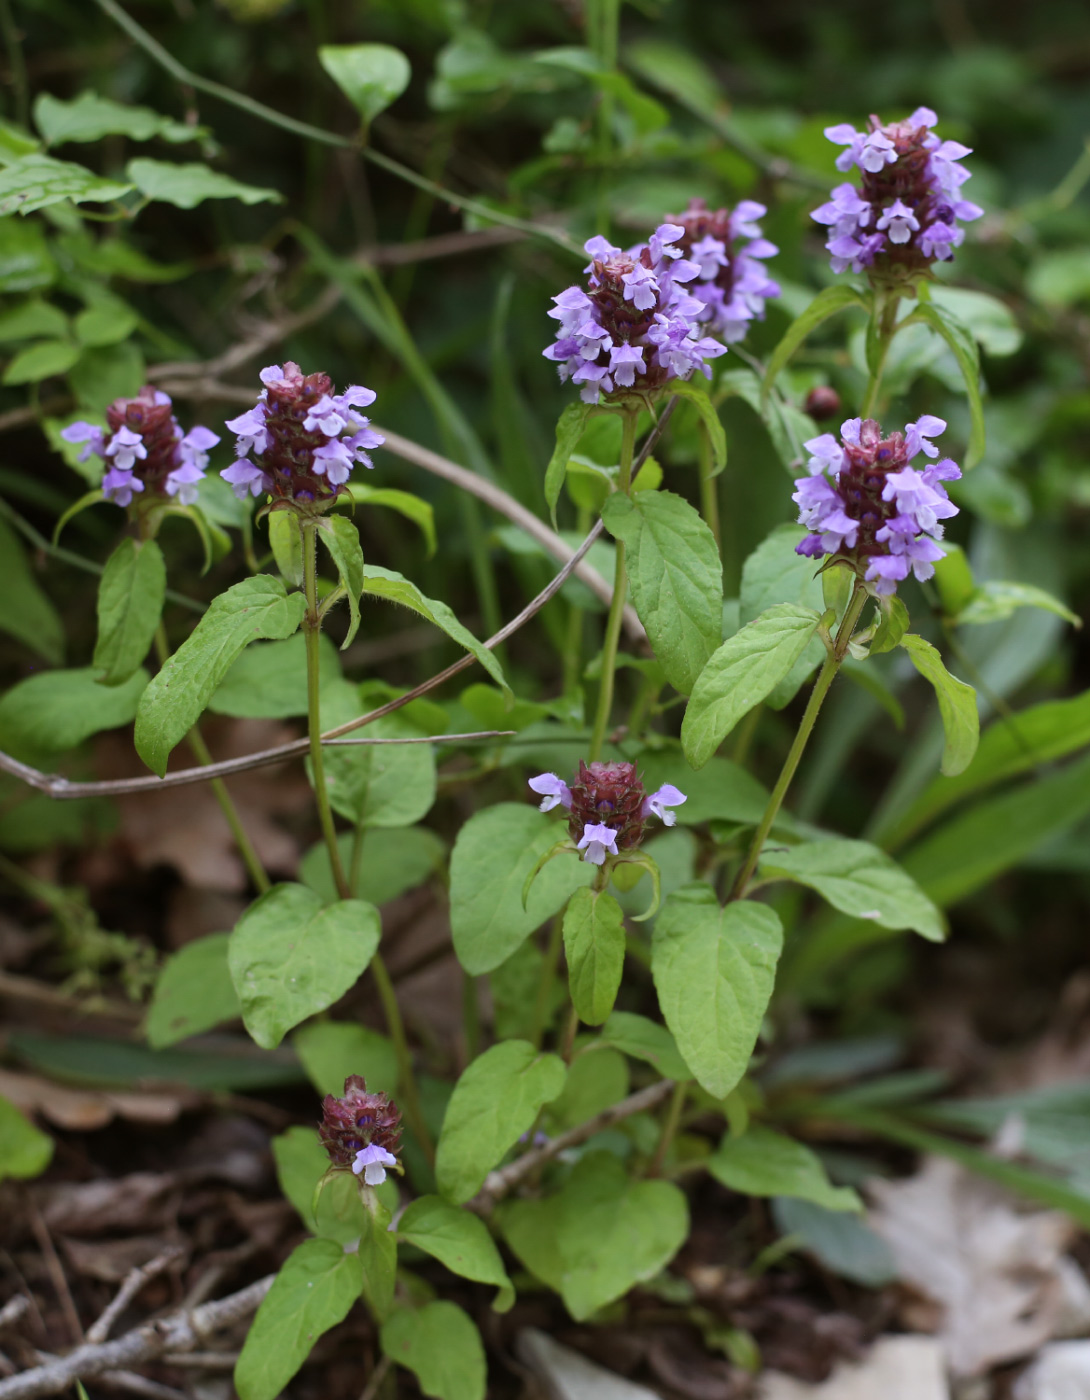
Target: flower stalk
[(616, 607)]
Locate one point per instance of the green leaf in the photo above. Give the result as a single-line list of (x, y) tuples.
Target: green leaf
[(193, 993), (570, 427), (827, 303), (600, 1235), (392, 861), (41, 360), (313, 1291), (269, 679), (25, 1151), (371, 76), (597, 1078), (56, 710), (775, 573), (744, 670), (762, 1162), (332, 1050), (675, 577), (953, 579), (291, 957), (378, 1255), (90, 117), (26, 259), (695, 391), (892, 625), (286, 543), (342, 539), (335, 1212), (376, 785), (645, 1040), (957, 704), (842, 1242), (33, 320), (36, 181), (440, 1344), (594, 943), (494, 853), (990, 320), (858, 879), (28, 614), (495, 1101), (960, 340), (714, 970), (105, 323), (386, 583), (130, 604), (997, 600), (186, 186), (459, 1239), (255, 608), (413, 508)]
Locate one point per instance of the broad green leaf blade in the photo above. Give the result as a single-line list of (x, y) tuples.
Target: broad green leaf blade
[(960, 340), (998, 599), (695, 391), (991, 321), (392, 861), (332, 1050), (440, 1344), (286, 543), (371, 76), (645, 1040), (827, 303), (762, 1162), (744, 670), (386, 583), (846, 1245), (600, 1235), (36, 181), (56, 710), (130, 604), (776, 573), (342, 539), (255, 608), (494, 853), (186, 186), (90, 117), (714, 970), (858, 879), (312, 1293), (597, 1078), (494, 1102), (194, 992), (675, 577), (457, 1238), (291, 956), (334, 1213), (957, 704), (25, 1151), (28, 614), (594, 945), (413, 508), (378, 1255), (39, 361), (269, 679), (569, 429)]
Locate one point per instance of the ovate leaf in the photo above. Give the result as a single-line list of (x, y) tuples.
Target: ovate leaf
[(90, 117), (56, 710), (646, 1040), (457, 1238), (569, 429), (194, 992), (957, 704), (594, 945), (332, 1050), (130, 604), (186, 186), (371, 76), (762, 1162), (440, 1344), (342, 539), (36, 181)]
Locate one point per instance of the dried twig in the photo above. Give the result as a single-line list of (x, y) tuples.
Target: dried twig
[(501, 1182), (13, 1310), (177, 1332), (133, 1283)]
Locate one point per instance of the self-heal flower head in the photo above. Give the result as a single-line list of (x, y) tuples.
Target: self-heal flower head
[(729, 250), (905, 215), (607, 806), (864, 501), (361, 1132), (145, 452), (300, 441), (636, 326)]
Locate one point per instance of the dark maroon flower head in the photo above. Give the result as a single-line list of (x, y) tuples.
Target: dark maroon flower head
[(357, 1121), (608, 794)]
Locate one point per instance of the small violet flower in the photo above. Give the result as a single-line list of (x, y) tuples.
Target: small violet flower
[(300, 441), (145, 450), (864, 502), (607, 807), (361, 1132), (372, 1161), (637, 325), (906, 214), (729, 250)]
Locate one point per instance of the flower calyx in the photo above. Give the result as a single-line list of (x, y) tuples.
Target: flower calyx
[(361, 1134)]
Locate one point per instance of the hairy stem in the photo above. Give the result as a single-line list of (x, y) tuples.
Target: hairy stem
[(709, 486), (886, 312), (833, 662), (670, 1123), (616, 607)]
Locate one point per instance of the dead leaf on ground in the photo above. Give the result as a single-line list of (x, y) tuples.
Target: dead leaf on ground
[(138, 1202), (896, 1368), (994, 1269), (111, 1261), (83, 1110)]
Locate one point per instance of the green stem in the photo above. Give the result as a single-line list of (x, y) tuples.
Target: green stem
[(670, 1124), (569, 1036), (887, 329), (709, 487), (616, 607), (833, 662), (312, 623), (201, 753), (573, 642)]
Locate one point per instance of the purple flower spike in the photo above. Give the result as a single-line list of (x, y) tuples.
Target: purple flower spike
[(300, 441), (555, 791), (373, 1161), (658, 801), (636, 326), (144, 451), (865, 503), (727, 250), (906, 214), (597, 841)]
